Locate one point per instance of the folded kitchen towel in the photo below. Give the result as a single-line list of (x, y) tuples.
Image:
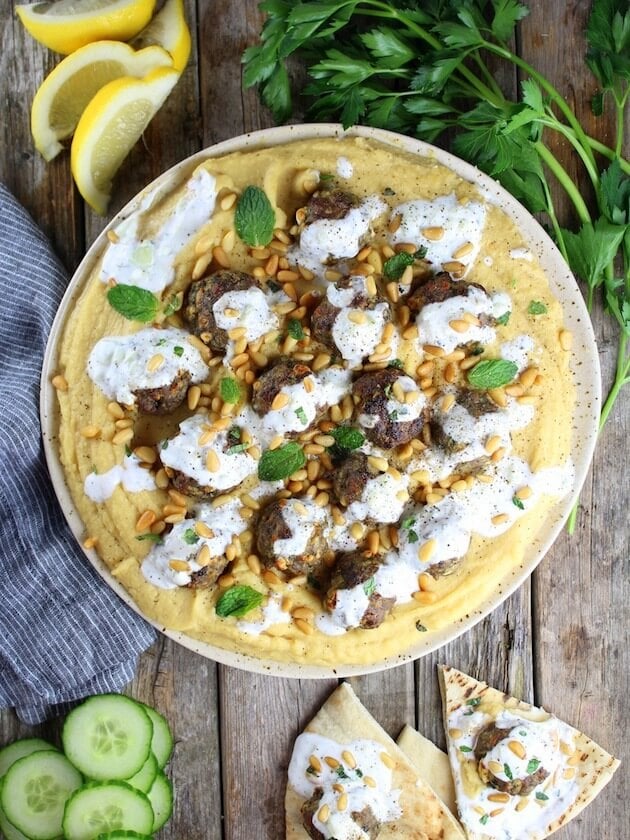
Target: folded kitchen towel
[(64, 634)]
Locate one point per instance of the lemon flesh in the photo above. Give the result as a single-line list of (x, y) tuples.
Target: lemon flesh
[(109, 127), (66, 91), (168, 29), (66, 25)]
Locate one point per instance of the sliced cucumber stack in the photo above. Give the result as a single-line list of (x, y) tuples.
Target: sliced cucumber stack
[(161, 799), (162, 741), (34, 793), (100, 807), (19, 749), (118, 835), (108, 737)]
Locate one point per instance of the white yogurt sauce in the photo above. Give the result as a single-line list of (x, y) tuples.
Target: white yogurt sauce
[(133, 477), (548, 800), (301, 524), (345, 168), (341, 296), (380, 499), (184, 453), (150, 263), (518, 350), (119, 364), (356, 341), (272, 614), (381, 799), (253, 312), (404, 412), (521, 254), (434, 319), (184, 543), (461, 223), (336, 239)]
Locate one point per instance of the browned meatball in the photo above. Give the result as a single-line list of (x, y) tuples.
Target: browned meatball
[(203, 294), (364, 819), (350, 478), (166, 399), (271, 527), (323, 317), (189, 487), (330, 204), (445, 567), (436, 289), (373, 390), (208, 575), (273, 380), (477, 403), (353, 569), (487, 739)]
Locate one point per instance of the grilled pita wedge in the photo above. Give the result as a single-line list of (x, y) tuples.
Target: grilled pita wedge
[(519, 772), (373, 780)]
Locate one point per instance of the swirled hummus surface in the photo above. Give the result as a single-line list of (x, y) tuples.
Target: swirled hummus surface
[(317, 402)]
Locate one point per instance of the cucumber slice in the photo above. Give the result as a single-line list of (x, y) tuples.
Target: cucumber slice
[(34, 793), (8, 831), (108, 737), (161, 799), (162, 743), (145, 777), (20, 749), (102, 807), (132, 835)]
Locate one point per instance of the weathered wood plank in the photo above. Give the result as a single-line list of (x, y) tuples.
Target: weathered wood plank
[(389, 697)]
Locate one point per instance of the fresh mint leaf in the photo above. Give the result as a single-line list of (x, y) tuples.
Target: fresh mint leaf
[(230, 390), (190, 536), (503, 319), (369, 587), (295, 330), (179, 351), (254, 218), (541, 796), (347, 437), (394, 267), (133, 303), (238, 600), (536, 307), (280, 463), (492, 373)]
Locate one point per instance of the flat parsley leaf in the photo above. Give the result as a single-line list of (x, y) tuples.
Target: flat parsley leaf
[(190, 536), (179, 351), (254, 218), (532, 765), (230, 390), (133, 303), (518, 503), (536, 307), (503, 319), (301, 415), (369, 587), (238, 600), (294, 328), (492, 373), (151, 537), (280, 463)]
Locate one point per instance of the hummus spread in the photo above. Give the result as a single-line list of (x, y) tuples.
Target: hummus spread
[(310, 420)]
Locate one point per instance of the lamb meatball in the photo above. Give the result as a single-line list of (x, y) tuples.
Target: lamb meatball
[(353, 569), (166, 399), (207, 576), (324, 316), (273, 380), (330, 204), (350, 478), (477, 403), (487, 739), (364, 819), (274, 525), (436, 289), (189, 487), (203, 294), (384, 429)]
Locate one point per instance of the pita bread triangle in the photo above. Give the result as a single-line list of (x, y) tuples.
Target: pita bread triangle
[(343, 733), (516, 755)]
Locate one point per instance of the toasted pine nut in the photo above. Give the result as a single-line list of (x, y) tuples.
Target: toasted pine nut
[(349, 759), (59, 382), (463, 250), (433, 234), (212, 461), (145, 520), (122, 437), (566, 339)]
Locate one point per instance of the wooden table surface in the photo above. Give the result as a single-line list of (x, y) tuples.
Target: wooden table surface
[(559, 641)]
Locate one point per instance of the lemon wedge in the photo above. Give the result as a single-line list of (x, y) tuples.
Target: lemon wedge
[(66, 25), (63, 95), (169, 30), (110, 125)]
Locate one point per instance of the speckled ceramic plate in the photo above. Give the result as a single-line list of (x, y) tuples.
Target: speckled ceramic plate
[(584, 369)]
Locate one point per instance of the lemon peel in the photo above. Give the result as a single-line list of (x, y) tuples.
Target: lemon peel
[(66, 91), (66, 25), (110, 126), (169, 30)]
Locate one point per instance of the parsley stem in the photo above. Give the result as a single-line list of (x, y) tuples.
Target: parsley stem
[(565, 180), (551, 213), (567, 132), (609, 153)]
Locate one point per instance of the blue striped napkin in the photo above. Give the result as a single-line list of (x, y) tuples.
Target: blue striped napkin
[(64, 634)]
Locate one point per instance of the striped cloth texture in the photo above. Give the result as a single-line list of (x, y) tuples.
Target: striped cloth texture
[(64, 634)]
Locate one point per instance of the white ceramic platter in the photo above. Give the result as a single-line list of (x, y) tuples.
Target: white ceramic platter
[(584, 368)]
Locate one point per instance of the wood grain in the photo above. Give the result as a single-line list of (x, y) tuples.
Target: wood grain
[(560, 640)]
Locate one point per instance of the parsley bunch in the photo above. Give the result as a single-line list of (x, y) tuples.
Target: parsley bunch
[(419, 67)]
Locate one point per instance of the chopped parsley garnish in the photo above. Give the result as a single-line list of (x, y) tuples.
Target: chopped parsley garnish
[(542, 796), (389, 191), (465, 749), (179, 351), (173, 304), (483, 820), (359, 773), (313, 582), (395, 363), (234, 434), (476, 350), (532, 765), (369, 587), (508, 772), (128, 452), (164, 445), (238, 447), (190, 536), (420, 627), (347, 437), (326, 177), (406, 525), (341, 773), (503, 319), (518, 503), (536, 307), (301, 415), (151, 537), (294, 328), (311, 770), (474, 701), (230, 390), (393, 415)]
